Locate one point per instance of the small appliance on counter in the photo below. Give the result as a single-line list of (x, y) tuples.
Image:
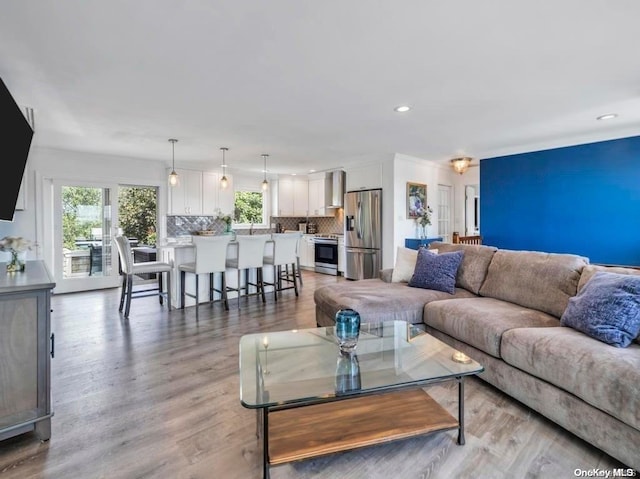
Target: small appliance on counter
[(302, 227), (312, 228)]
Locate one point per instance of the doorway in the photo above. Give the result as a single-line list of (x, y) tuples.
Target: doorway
[(471, 210), (86, 218)]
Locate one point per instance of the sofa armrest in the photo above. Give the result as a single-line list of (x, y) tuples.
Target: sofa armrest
[(385, 274)]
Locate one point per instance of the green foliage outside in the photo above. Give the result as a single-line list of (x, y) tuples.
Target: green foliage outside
[(248, 207), (137, 213), (77, 205), (82, 211)]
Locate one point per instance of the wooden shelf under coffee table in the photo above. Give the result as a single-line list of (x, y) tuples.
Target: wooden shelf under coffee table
[(307, 407)]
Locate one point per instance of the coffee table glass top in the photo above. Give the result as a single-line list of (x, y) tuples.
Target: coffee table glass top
[(300, 366)]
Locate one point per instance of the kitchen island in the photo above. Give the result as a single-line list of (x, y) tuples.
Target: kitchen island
[(180, 252)]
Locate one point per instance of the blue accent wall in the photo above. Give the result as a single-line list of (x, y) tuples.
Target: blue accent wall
[(581, 199)]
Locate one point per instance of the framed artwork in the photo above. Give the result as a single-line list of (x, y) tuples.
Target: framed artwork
[(416, 199)]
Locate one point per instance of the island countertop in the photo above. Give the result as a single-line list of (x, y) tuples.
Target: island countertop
[(35, 276)]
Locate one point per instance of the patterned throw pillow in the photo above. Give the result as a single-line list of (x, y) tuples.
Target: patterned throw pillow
[(405, 264), (436, 271), (607, 308)]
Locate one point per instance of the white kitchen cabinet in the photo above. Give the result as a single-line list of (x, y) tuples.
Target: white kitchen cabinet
[(185, 198), (364, 177), (290, 197), (317, 197), (307, 252), (214, 196)]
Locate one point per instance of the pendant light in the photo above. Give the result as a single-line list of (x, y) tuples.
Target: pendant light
[(223, 181), (265, 183), (173, 176)]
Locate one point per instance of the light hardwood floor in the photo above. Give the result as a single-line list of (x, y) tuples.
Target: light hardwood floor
[(157, 397)]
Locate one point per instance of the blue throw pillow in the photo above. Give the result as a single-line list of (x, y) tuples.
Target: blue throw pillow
[(607, 309), (436, 271)]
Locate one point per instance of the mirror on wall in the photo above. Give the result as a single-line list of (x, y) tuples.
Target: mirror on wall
[(471, 210)]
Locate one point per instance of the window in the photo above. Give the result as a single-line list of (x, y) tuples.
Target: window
[(249, 207)]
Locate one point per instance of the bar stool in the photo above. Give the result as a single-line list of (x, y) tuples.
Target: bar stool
[(284, 254), (250, 255), (211, 258), (129, 268), (297, 271)]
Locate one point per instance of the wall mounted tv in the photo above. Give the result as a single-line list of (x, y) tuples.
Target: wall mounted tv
[(15, 135)]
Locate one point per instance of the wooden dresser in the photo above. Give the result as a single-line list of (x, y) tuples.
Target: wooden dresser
[(26, 349)]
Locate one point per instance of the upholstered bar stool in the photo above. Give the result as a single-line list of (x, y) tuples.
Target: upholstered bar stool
[(286, 274), (250, 255), (211, 258), (129, 268), (285, 246)]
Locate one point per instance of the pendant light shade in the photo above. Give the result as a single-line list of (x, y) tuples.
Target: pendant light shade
[(265, 183), (223, 181), (173, 176)]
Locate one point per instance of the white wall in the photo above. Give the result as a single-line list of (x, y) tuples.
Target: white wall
[(417, 170), (50, 163)]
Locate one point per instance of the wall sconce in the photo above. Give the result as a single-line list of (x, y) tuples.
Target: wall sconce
[(265, 183), (460, 165), (173, 176), (223, 181)]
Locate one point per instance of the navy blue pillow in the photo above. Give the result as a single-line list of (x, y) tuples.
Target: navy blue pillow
[(436, 271), (607, 309)]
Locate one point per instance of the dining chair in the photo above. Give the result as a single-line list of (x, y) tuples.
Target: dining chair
[(211, 258), (249, 255), (285, 247), (129, 269)]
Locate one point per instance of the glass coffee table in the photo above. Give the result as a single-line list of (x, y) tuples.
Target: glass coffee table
[(311, 400)]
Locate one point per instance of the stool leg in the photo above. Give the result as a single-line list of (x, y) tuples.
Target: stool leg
[(160, 297), (211, 287), (168, 290), (260, 283), (277, 271), (129, 287), (124, 292), (239, 275), (182, 295), (197, 294), (224, 292), (299, 270), (295, 283)]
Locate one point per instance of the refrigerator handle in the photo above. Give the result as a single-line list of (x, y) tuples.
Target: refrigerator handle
[(359, 221)]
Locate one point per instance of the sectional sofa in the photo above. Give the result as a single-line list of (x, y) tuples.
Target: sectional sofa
[(505, 313)]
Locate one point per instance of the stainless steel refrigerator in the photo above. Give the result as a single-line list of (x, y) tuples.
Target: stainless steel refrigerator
[(363, 233)]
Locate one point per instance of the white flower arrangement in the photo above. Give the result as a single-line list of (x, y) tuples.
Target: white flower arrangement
[(223, 217), (424, 216), (14, 244)]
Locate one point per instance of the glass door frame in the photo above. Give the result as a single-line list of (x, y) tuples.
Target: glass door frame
[(84, 283)]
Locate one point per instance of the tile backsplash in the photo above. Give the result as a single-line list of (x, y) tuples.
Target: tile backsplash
[(187, 225)]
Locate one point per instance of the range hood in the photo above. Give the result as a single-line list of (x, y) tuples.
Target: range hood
[(334, 188)]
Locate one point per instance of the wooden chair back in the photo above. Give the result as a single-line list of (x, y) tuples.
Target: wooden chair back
[(457, 239)]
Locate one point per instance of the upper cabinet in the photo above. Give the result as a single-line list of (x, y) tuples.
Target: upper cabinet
[(318, 196), (185, 198), (214, 196), (199, 193), (290, 197), (364, 177)]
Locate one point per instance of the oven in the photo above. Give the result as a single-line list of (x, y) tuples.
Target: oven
[(326, 255)]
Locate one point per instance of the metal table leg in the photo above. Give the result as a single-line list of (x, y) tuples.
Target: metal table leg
[(265, 443), (461, 411)]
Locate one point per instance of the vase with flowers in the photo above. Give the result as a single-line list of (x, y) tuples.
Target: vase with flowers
[(423, 220), (16, 245), (226, 219)]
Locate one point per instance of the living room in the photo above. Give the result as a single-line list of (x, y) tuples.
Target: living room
[(518, 89)]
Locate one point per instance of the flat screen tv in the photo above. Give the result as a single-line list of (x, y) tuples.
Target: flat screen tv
[(16, 135)]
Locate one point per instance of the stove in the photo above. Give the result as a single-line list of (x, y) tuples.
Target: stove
[(326, 254)]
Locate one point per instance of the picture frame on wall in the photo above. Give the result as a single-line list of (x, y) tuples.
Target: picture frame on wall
[(416, 199)]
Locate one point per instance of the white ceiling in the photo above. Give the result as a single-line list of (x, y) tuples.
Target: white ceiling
[(314, 83)]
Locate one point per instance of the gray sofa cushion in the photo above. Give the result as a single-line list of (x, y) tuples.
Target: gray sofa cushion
[(376, 300), (591, 269), (474, 266), (605, 377), (481, 322), (542, 281)]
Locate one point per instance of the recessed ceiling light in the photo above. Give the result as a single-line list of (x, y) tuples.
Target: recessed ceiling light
[(608, 116), (294, 174), (402, 108), (312, 171)]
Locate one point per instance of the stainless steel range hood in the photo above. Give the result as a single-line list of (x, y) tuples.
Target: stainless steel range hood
[(335, 182)]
